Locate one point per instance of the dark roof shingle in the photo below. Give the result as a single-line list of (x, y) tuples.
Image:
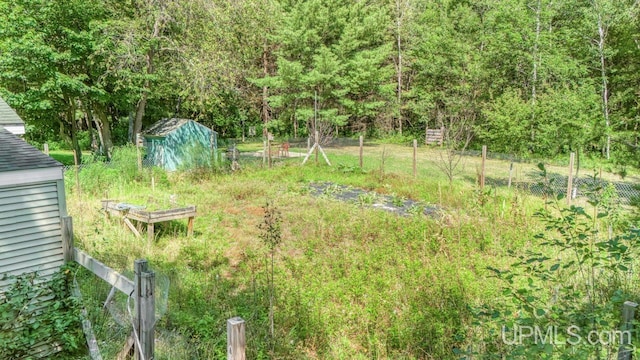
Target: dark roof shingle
[(16, 154), (165, 126), (7, 115)]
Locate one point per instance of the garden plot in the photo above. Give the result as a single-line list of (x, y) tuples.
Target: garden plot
[(391, 203)]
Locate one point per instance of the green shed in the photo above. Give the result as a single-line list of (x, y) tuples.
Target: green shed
[(179, 144)]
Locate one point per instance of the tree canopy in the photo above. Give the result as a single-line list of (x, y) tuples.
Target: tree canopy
[(528, 76)]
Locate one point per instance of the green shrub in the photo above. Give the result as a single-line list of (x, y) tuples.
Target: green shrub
[(33, 310)]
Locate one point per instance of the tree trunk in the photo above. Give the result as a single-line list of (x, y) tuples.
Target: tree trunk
[(534, 75), (71, 119), (104, 126), (142, 103), (602, 35), (399, 16), (265, 91), (92, 134)]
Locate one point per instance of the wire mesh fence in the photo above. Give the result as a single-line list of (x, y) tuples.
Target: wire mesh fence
[(500, 170)]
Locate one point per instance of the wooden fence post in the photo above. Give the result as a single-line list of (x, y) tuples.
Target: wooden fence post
[(144, 321), (317, 143), (77, 170), (66, 224), (46, 149), (570, 179), (510, 174), (264, 152), (415, 158), (628, 313), (361, 143), (236, 341), (484, 159), (139, 153)]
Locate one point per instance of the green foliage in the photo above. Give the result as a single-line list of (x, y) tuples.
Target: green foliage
[(35, 311), (271, 233), (97, 176), (576, 283)]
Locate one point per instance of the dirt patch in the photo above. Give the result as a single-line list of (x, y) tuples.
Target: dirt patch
[(390, 203)]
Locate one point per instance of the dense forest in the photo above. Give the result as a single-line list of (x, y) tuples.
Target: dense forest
[(522, 76)]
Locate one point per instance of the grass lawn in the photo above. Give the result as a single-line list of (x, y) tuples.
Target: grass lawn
[(65, 157), (351, 282)]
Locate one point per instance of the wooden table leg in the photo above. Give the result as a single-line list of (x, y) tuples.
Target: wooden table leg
[(190, 227), (150, 232)]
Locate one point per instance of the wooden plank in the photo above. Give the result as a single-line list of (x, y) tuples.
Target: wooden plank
[(131, 227), (415, 158), (570, 178), (147, 314), (236, 341), (482, 166), (126, 350), (104, 272), (66, 225), (150, 232), (163, 212), (161, 217), (92, 343), (361, 143), (190, 226), (626, 348)]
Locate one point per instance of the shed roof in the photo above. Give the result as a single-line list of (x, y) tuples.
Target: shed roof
[(16, 154), (7, 115), (165, 126)]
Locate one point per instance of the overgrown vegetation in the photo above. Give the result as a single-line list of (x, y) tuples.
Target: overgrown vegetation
[(38, 315), (569, 287), (354, 282)]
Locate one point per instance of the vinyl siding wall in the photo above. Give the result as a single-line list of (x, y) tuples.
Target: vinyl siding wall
[(30, 229)]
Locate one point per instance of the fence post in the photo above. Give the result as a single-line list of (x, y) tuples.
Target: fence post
[(628, 312), (361, 143), (77, 170), (46, 149), (264, 152), (484, 158), (317, 143), (138, 143), (236, 341), (66, 224), (415, 158), (510, 174), (144, 321), (570, 179)]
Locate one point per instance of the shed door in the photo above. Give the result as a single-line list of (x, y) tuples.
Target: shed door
[(30, 234)]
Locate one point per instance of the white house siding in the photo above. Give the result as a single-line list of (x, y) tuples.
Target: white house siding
[(30, 229)]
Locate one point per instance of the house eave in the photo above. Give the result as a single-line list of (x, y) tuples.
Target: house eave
[(21, 177)]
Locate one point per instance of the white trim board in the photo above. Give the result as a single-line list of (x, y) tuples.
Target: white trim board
[(23, 177)]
